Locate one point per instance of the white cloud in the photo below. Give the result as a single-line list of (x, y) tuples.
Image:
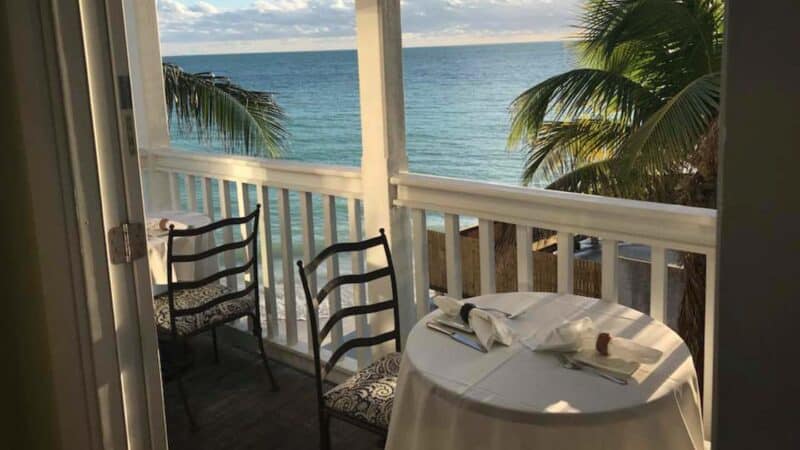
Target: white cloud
[(205, 8), (280, 5), (343, 5), (191, 26), (173, 10)]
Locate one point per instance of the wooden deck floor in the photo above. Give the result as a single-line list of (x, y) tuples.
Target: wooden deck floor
[(235, 408)]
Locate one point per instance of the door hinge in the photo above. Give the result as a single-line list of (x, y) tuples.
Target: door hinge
[(127, 242)]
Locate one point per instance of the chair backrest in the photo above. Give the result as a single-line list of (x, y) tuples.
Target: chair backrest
[(248, 243), (313, 301)]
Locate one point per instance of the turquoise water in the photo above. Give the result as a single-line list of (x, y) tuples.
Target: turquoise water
[(456, 98), (457, 101)]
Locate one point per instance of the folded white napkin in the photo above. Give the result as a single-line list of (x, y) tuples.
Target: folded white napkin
[(163, 223), (582, 336), (570, 336), (488, 327)]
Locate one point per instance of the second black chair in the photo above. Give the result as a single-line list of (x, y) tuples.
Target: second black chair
[(366, 398)]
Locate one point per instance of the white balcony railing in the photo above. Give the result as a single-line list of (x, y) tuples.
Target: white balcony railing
[(243, 180), (659, 226), (662, 227)]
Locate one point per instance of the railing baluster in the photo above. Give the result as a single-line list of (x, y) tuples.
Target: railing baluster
[(208, 203), (227, 232), (524, 258), (191, 192), (243, 201), (363, 354), (174, 197), (609, 283), (309, 251), (658, 283), (332, 265), (710, 328), (566, 263), (289, 301), (270, 313), (487, 264), (420, 254), (452, 238)]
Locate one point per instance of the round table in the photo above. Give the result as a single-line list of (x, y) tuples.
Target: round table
[(157, 249), (450, 396)]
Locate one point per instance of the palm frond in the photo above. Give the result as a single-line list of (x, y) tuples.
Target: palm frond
[(214, 108), (561, 146), (665, 141), (594, 178), (613, 178), (675, 40), (576, 94), (626, 59)]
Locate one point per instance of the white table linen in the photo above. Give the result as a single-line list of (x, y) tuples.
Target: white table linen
[(157, 249), (451, 397)]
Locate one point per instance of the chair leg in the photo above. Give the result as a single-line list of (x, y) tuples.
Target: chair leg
[(275, 387), (324, 431), (185, 401), (216, 348)]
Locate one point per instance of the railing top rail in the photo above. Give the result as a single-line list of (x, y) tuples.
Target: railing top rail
[(277, 164), (673, 226), (328, 179)]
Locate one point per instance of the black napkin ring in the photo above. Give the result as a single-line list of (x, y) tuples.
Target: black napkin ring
[(464, 312)]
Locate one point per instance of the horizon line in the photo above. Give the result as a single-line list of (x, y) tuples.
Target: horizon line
[(475, 44)]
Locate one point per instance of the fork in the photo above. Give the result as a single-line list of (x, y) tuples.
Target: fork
[(569, 363)]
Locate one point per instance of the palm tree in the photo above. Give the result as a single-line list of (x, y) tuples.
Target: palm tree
[(214, 108), (638, 119)]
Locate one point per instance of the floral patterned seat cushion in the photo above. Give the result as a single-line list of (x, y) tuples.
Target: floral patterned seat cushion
[(369, 394), (190, 298)]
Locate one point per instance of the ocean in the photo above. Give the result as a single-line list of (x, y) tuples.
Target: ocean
[(456, 98)]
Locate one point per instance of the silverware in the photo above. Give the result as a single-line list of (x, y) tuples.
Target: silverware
[(506, 314), (454, 323), (570, 363), (457, 337)]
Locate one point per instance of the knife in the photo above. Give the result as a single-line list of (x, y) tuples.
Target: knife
[(457, 337), (571, 363)]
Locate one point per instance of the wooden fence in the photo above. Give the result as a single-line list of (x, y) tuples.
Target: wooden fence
[(545, 276)]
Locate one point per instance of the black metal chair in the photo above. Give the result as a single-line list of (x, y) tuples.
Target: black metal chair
[(366, 398), (189, 308)]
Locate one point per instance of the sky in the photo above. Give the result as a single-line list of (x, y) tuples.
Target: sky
[(241, 26)]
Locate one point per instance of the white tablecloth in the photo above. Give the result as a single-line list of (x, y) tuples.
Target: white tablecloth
[(157, 250), (450, 396)]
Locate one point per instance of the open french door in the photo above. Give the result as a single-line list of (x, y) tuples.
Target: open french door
[(91, 50)]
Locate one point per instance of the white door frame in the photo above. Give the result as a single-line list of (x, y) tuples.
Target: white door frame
[(86, 52)]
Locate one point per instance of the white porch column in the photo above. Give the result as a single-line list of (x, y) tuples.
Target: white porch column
[(380, 73), (147, 92), (147, 82)]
